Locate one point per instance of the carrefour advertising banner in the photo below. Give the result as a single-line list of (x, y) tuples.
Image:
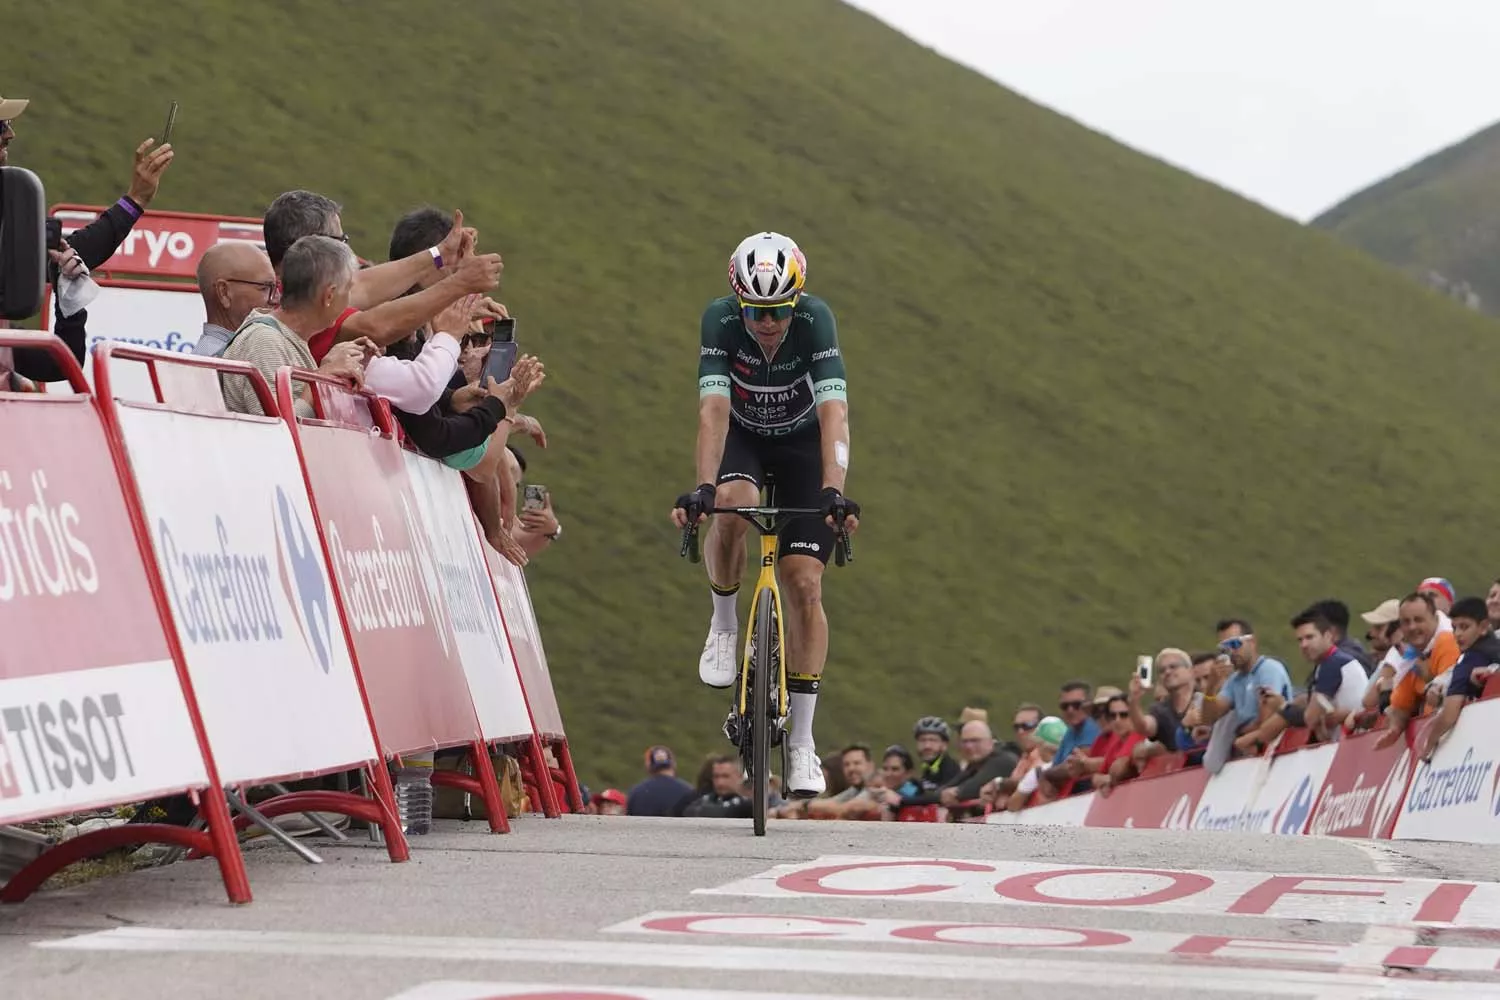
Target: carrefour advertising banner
[(444, 516), (1457, 796), (251, 597)]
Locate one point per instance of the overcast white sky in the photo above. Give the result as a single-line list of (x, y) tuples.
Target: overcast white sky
[(1294, 104)]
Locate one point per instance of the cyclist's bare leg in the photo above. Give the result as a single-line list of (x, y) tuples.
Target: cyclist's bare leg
[(806, 637), (724, 549)]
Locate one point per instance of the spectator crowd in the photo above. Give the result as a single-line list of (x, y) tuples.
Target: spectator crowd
[(415, 330), (1424, 654)]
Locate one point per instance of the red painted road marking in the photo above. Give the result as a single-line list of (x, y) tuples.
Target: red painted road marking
[(1369, 953), (1367, 900)]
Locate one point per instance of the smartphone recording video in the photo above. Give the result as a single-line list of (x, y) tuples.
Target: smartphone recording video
[(503, 349)]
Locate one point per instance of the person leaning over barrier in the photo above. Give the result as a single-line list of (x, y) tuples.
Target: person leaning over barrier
[(467, 428), (316, 275), (1480, 658), (1427, 652), (538, 528), (379, 307)]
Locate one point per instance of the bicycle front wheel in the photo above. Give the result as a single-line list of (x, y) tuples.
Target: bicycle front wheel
[(767, 650)]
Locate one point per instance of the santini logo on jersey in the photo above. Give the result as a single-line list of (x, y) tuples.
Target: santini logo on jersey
[(832, 352), (712, 352)]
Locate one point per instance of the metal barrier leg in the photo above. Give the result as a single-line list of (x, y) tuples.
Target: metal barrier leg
[(271, 828), (316, 820)]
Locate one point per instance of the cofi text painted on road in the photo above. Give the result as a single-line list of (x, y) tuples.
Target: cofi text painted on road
[(1247, 952), (1361, 899)]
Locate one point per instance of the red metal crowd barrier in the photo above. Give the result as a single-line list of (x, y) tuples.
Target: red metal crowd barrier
[(387, 589), (457, 551), (96, 706), (295, 596), (531, 659), (252, 601)]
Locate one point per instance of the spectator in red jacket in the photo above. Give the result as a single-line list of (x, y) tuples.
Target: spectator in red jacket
[(1109, 757)]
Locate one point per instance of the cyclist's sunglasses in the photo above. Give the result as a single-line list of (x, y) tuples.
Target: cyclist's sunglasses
[(755, 313)]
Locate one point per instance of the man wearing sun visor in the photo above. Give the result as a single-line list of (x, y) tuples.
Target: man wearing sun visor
[(772, 399)]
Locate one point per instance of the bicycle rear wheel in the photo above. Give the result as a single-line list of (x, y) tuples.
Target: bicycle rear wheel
[(766, 649)]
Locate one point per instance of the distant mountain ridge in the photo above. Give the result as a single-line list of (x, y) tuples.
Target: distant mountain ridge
[(1438, 220)]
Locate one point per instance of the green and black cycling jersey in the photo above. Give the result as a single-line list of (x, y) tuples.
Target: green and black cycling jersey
[(779, 395)]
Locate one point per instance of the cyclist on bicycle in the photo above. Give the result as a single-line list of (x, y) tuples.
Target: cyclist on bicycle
[(771, 393)]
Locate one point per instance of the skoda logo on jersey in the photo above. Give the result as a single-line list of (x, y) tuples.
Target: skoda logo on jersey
[(303, 579), (788, 365), (1294, 812)]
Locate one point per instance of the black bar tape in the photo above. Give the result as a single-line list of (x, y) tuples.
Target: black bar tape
[(804, 683)]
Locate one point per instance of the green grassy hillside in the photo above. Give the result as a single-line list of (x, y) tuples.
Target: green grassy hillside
[(1439, 217), (1096, 403)]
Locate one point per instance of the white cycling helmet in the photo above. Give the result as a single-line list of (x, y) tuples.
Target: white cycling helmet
[(767, 269)]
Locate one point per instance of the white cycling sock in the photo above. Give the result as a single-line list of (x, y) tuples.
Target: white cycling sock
[(726, 612), (802, 708)]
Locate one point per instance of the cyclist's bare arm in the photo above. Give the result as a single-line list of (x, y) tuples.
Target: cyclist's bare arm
[(713, 427), (833, 421)]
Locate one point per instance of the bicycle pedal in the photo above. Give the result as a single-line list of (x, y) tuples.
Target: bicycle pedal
[(794, 794), (732, 729)]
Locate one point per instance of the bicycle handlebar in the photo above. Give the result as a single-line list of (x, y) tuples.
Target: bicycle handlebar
[(843, 548)]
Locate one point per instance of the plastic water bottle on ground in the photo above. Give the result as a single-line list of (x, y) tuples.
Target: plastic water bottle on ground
[(414, 795)]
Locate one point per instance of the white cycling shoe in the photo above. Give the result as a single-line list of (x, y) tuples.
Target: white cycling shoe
[(717, 667), (804, 777)]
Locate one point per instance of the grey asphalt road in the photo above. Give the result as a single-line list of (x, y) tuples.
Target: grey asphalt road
[(541, 910)]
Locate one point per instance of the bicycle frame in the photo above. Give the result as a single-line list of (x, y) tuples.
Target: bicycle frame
[(765, 583), (768, 522)]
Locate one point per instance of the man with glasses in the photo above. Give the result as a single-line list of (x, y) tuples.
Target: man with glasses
[(771, 390), (1159, 726), (1077, 714), (1250, 677), (235, 279)]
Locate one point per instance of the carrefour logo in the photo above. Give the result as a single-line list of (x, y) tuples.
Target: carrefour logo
[(221, 594), (1293, 814), (303, 580), (1439, 788), (1391, 790)]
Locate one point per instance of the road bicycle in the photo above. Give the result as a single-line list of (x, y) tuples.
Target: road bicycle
[(758, 716)]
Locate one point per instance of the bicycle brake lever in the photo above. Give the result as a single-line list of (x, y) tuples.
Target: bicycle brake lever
[(843, 548), (690, 543)]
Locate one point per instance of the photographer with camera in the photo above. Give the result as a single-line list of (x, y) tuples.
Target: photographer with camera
[(73, 258)]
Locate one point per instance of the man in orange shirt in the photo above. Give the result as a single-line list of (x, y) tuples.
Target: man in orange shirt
[(1426, 653)]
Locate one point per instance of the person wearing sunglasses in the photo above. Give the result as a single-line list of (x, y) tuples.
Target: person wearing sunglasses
[(1250, 676), (1108, 760), (772, 399)]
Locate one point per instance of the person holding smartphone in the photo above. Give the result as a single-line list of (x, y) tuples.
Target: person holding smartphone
[(86, 248)]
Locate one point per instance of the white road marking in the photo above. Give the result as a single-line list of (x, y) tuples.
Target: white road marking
[(757, 960), (1351, 899), (461, 990)]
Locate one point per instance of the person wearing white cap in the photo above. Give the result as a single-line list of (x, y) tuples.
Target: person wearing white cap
[(10, 110)]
